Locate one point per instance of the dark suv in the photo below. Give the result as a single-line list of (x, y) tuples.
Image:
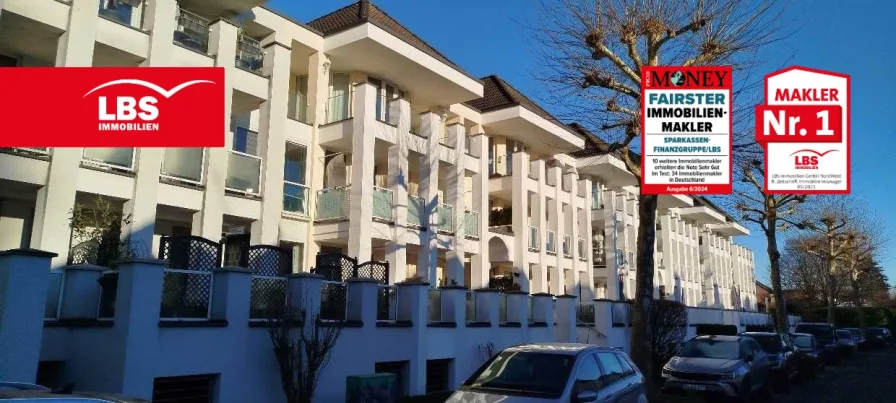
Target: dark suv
[(781, 357), (718, 367), (825, 336)]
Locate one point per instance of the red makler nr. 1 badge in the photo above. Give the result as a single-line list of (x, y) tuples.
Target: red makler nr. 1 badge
[(112, 107)]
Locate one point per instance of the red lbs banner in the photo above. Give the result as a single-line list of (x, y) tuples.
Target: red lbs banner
[(112, 107), (804, 128)]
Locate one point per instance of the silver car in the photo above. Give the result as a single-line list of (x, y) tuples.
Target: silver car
[(718, 367), (555, 372)]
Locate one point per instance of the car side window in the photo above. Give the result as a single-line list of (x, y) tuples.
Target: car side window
[(588, 370), (745, 349), (627, 369), (612, 370), (755, 348)]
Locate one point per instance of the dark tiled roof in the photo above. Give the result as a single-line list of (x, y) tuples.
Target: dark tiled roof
[(595, 145), (498, 94), (364, 11)]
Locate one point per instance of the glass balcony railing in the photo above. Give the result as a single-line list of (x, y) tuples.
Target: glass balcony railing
[(249, 55), (581, 245), (192, 31), (295, 198), (415, 211), (35, 151), (567, 246), (298, 107), (117, 158), (446, 218), (339, 107), (243, 173), (551, 244), (128, 12), (382, 203), (471, 224), (533, 238), (183, 164), (333, 203)]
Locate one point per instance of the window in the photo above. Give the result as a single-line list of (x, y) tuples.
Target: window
[(294, 165), (245, 141), (525, 373), (385, 94), (709, 348), (588, 375), (626, 366), (298, 99), (339, 103), (297, 254), (613, 370)]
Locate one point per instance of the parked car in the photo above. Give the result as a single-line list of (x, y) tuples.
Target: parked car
[(878, 336), (809, 355), (40, 396), (781, 357), (717, 367), (11, 386), (846, 343), (825, 337), (555, 372), (858, 335)]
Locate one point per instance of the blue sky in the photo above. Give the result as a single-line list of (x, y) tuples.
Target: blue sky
[(491, 37)]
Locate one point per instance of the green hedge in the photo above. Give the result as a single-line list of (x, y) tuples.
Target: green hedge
[(849, 317)]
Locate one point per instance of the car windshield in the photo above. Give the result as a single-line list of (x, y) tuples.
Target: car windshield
[(525, 372), (708, 348), (802, 341), (821, 332), (844, 334), (769, 344)]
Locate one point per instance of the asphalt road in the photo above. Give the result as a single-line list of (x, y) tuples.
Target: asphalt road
[(869, 376)]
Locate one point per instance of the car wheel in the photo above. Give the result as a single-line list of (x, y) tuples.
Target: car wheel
[(766, 391)]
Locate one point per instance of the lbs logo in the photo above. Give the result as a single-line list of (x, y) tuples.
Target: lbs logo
[(114, 107), (808, 159)]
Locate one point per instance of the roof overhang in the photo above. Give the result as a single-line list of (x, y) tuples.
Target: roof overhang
[(539, 134), (703, 215), (225, 8), (609, 169), (371, 49), (665, 202), (729, 229)]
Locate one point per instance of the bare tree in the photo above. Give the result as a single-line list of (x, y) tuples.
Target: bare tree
[(806, 274), (302, 348), (863, 239), (669, 321), (772, 213), (592, 52)]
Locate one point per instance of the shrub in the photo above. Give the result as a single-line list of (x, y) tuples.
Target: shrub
[(668, 327)]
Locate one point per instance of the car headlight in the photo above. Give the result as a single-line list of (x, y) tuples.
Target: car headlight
[(667, 372)]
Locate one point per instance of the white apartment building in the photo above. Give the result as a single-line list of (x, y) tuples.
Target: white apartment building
[(350, 134)]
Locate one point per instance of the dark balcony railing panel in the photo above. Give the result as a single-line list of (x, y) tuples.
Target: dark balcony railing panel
[(332, 301)]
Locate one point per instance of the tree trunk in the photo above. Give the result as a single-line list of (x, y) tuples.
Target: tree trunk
[(774, 260), (832, 267), (640, 341), (857, 300)]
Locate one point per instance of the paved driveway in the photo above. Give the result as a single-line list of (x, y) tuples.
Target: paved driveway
[(869, 376)]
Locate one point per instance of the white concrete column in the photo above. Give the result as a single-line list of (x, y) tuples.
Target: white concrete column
[(56, 199), (412, 308), (272, 142), (25, 275), (160, 19), (208, 223), (429, 191), (587, 234), (614, 238), (558, 281), (540, 220), (396, 250), (318, 91), (480, 264), (363, 142), (454, 193), (520, 203)]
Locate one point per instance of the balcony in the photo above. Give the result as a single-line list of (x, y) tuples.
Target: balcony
[(249, 55), (183, 165), (192, 31), (446, 218), (600, 258), (295, 198), (243, 173), (333, 204), (567, 246), (551, 244), (111, 158), (339, 107), (582, 256), (534, 244), (471, 224), (415, 211), (382, 204), (128, 12), (298, 107)]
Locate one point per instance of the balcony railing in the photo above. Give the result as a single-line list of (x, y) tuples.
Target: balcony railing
[(551, 244), (243, 173), (415, 211), (446, 218), (115, 158), (295, 198), (249, 55), (33, 151), (333, 306), (298, 107), (184, 164), (339, 107), (567, 245), (582, 256), (382, 203), (192, 31), (123, 12), (600, 258), (585, 313), (333, 203), (471, 224), (534, 245)]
